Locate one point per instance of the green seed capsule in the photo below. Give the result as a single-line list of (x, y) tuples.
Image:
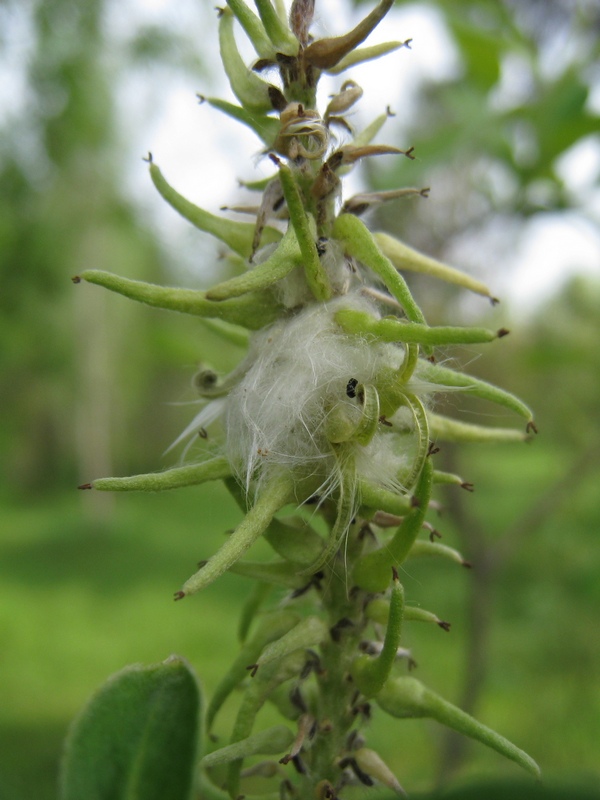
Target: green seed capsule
[(359, 243), (278, 573), (372, 570), (404, 257), (344, 424), (370, 674), (253, 310), (345, 511), (272, 627), (294, 540), (421, 427), (367, 135), (452, 430), (362, 54), (278, 32), (442, 376), (251, 608), (254, 29), (315, 274), (266, 128), (378, 611), (286, 257), (409, 698), (215, 469), (377, 499), (273, 497), (396, 330), (236, 235), (327, 53), (250, 90), (272, 741), (373, 765), (266, 680), (423, 548), (307, 633)]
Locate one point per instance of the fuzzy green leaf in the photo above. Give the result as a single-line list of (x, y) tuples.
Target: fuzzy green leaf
[(136, 738)]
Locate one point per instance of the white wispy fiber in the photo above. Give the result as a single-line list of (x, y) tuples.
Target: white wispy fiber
[(275, 418)]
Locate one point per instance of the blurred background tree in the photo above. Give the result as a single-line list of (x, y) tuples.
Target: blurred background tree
[(84, 377)]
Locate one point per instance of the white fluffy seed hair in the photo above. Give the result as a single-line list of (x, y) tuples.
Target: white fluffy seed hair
[(275, 417)]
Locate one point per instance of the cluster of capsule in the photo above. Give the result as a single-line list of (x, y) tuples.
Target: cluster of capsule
[(330, 405)]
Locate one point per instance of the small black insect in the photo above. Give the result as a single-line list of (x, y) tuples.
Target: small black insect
[(351, 387)]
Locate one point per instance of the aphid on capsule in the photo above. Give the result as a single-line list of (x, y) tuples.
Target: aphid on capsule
[(351, 388)]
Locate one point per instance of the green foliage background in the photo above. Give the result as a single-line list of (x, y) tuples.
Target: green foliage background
[(86, 583)]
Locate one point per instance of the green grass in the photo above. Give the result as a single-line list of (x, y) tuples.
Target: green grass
[(82, 595)]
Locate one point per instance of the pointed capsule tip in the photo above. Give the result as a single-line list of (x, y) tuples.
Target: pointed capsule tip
[(445, 626), (467, 486), (85, 486), (502, 332), (76, 279)]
